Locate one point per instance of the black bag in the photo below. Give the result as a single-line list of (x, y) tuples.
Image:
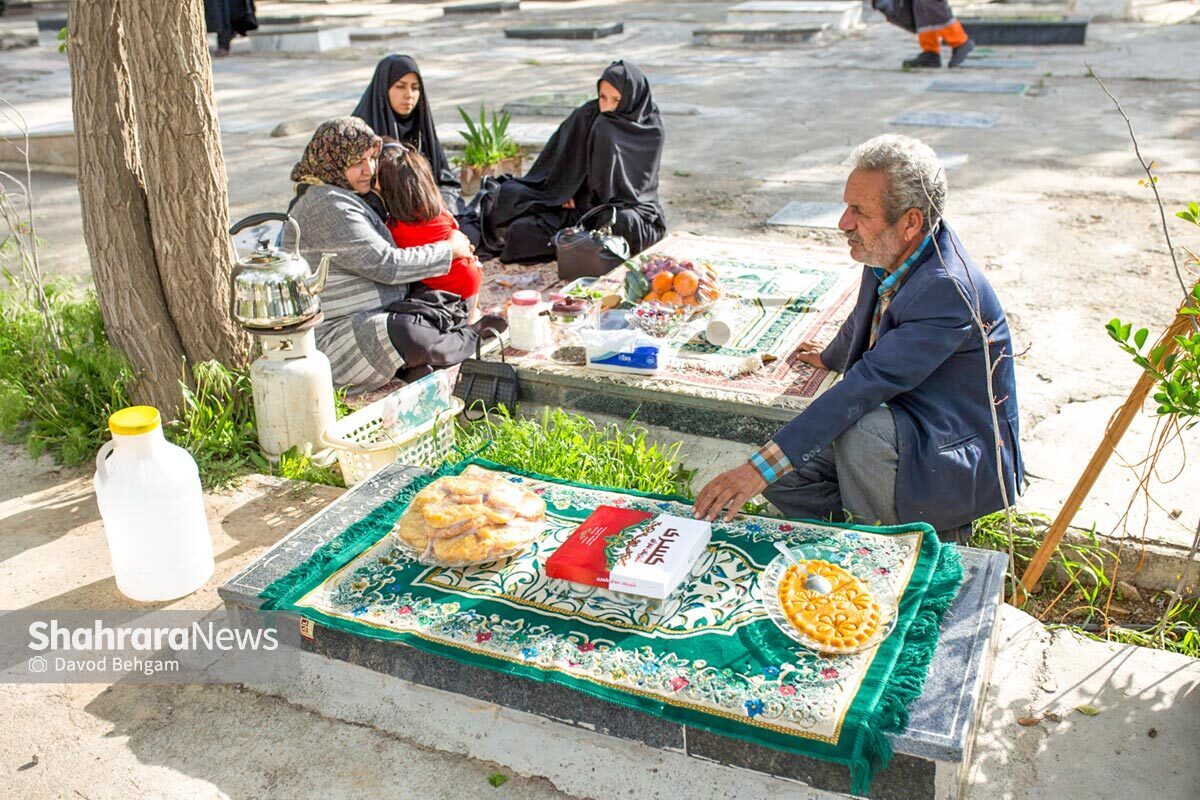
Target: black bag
[(584, 253), (484, 386)]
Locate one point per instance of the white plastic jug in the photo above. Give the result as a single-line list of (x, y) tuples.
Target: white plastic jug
[(153, 509)]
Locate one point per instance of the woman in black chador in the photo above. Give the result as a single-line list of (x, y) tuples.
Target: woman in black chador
[(395, 104), (607, 152)]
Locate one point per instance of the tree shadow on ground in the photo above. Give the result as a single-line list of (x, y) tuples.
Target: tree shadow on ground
[(276, 509), (1139, 723), (35, 514)]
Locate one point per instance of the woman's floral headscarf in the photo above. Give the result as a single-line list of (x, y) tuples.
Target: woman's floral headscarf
[(336, 145)]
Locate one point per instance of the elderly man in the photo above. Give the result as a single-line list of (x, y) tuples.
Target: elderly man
[(921, 427)]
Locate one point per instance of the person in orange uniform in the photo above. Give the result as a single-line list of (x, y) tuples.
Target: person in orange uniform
[(934, 23)]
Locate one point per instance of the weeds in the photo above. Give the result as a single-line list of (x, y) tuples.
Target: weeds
[(572, 447), (57, 399), (217, 425), (1178, 631), (1076, 593)]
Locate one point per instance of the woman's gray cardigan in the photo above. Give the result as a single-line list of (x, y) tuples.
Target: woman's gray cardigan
[(366, 275)]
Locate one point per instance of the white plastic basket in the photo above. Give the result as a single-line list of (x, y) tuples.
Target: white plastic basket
[(364, 446)]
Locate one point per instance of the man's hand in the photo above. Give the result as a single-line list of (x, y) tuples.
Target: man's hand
[(569, 204), (810, 354), (729, 491), (460, 245)]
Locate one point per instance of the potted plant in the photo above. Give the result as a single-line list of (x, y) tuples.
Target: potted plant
[(490, 149)]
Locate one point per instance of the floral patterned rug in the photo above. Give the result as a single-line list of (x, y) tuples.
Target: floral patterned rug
[(708, 656), (778, 295)]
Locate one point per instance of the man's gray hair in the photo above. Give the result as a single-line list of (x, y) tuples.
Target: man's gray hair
[(916, 177)]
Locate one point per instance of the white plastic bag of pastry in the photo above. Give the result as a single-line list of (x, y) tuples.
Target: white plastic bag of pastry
[(473, 518)]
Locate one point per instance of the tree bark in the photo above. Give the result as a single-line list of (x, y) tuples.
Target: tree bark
[(152, 187), (184, 172), (116, 222)]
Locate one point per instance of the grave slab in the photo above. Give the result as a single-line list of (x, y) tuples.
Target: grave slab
[(300, 39), (759, 33), (560, 104), (931, 756), (492, 7), (841, 15), (997, 62), (565, 30), (953, 160), (1032, 31), (47, 30), (377, 34), (808, 215), (977, 87), (944, 119)]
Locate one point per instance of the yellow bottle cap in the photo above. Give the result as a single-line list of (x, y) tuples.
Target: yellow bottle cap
[(134, 420)]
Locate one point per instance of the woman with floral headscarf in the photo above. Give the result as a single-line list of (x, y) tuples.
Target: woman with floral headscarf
[(606, 153), (376, 326)]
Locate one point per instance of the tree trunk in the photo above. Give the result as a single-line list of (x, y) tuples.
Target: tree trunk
[(184, 172), (152, 186), (116, 223)]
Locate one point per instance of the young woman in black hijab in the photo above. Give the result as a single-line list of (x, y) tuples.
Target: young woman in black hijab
[(395, 104), (607, 152)]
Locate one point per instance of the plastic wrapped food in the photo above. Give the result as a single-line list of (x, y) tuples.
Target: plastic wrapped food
[(472, 518)]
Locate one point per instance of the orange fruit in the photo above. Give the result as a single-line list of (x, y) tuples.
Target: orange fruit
[(686, 283), (662, 282), (672, 298), (691, 300), (652, 297)]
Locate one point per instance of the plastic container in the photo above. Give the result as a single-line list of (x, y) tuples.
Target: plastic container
[(569, 317), (150, 500), (528, 321), (628, 351), (293, 393)]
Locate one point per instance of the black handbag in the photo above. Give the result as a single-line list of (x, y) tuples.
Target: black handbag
[(584, 253), (485, 386)]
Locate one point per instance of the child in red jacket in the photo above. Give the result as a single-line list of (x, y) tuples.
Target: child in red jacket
[(417, 215)]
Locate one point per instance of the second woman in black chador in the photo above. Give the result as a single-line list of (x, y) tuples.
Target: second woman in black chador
[(607, 152), (395, 104)]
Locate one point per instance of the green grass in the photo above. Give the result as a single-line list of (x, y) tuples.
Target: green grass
[(572, 447), (57, 399)]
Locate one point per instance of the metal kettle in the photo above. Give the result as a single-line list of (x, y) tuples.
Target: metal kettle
[(274, 288)]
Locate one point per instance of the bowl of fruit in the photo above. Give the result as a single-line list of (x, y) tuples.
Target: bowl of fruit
[(681, 286)]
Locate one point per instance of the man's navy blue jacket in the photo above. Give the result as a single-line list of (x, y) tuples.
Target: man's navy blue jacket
[(927, 365)]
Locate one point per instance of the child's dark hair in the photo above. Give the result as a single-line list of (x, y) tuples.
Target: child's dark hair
[(407, 186)]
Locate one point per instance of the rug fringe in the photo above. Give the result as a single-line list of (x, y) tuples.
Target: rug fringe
[(908, 677)]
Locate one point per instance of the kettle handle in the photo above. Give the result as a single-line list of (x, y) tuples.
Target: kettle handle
[(101, 465), (265, 216)]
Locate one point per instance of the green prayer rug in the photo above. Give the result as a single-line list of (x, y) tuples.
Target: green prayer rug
[(708, 656)]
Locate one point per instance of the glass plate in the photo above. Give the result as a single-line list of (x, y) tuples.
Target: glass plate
[(769, 584)]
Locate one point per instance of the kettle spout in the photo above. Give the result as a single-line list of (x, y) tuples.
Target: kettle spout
[(316, 281)]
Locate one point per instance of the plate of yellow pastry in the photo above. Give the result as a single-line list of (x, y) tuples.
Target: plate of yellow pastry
[(855, 616)]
